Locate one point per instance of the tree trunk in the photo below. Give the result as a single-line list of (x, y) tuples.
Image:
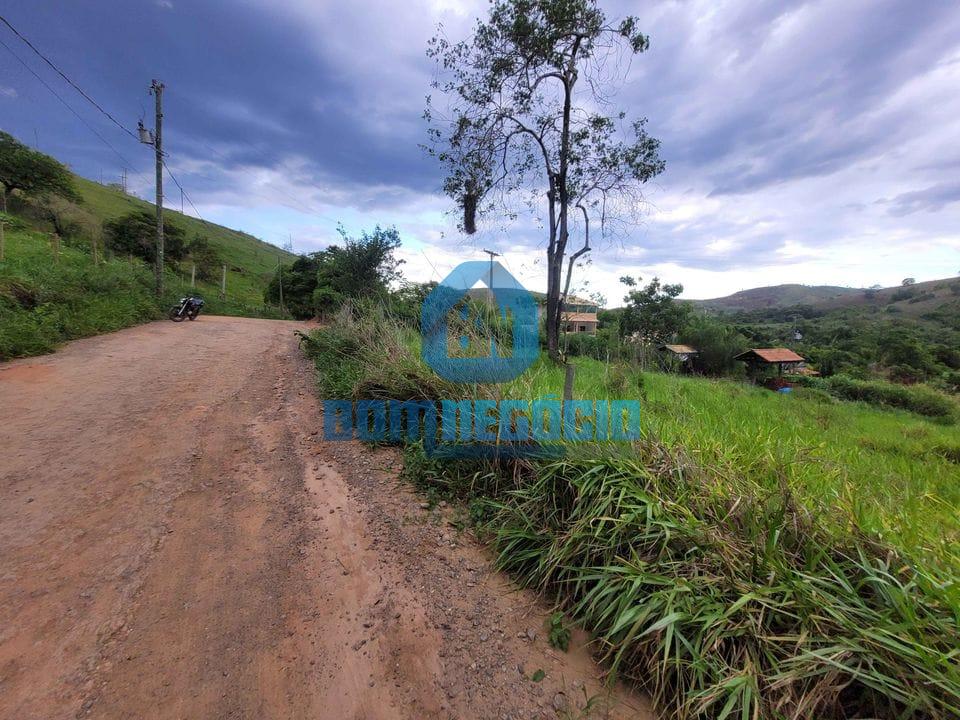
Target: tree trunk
[(553, 305), (553, 290), (559, 191)]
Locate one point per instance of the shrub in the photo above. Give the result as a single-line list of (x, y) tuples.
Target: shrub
[(717, 344), (135, 234), (919, 398)]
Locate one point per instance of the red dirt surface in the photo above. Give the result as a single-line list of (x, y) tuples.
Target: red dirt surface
[(177, 541)]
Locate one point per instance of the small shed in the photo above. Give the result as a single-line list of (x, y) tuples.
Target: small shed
[(681, 352), (758, 359), (682, 355)]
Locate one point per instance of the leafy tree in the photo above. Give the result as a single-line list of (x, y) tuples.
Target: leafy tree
[(906, 355), (205, 256), (652, 311), (299, 282), (136, 234), (407, 300), (908, 281), (322, 281), (527, 92), (716, 342), (32, 172), (361, 267)]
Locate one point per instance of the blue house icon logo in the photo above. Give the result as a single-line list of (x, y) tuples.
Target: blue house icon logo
[(516, 307)]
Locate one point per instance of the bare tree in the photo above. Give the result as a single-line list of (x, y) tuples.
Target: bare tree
[(527, 97)]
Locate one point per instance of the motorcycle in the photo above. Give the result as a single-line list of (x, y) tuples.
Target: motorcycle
[(188, 308)]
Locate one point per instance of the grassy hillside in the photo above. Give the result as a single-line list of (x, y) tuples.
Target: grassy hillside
[(891, 472), (45, 301), (250, 262), (48, 297)]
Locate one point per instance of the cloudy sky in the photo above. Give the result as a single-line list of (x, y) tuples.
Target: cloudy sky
[(810, 142)]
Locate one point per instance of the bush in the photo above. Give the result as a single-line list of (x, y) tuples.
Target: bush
[(904, 293), (136, 234), (918, 398), (206, 258), (717, 344)]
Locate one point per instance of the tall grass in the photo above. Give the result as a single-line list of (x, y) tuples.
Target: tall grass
[(722, 562), (46, 300), (731, 605)]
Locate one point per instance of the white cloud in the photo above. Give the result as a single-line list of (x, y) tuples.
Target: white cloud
[(792, 134)]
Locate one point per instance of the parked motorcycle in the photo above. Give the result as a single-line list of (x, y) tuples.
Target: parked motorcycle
[(188, 308)]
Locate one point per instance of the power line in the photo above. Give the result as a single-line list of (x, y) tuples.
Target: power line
[(66, 104), (63, 75), (185, 193), (116, 122)]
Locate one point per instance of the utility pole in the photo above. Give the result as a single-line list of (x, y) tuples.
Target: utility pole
[(492, 255), (157, 89), (123, 181), (181, 201), (156, 139)]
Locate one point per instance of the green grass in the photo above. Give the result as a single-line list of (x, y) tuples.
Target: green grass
[(45, 302), (250, 262), (891, 472), (755, 555)]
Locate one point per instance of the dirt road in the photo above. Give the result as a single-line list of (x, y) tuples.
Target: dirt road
[(177, 541)]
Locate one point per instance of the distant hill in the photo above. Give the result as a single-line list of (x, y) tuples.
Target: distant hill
[(776, 296), (913, 301)]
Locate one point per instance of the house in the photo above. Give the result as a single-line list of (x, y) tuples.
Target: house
[(760, 359), (579, 316)]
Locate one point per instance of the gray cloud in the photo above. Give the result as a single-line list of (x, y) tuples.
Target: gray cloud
[(781, 122), (931, 199)]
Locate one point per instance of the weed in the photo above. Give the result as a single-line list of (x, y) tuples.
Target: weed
[(559, 635)]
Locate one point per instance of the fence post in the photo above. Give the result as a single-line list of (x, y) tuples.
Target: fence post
[(3, 242), (193, 276), (223, 283)]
